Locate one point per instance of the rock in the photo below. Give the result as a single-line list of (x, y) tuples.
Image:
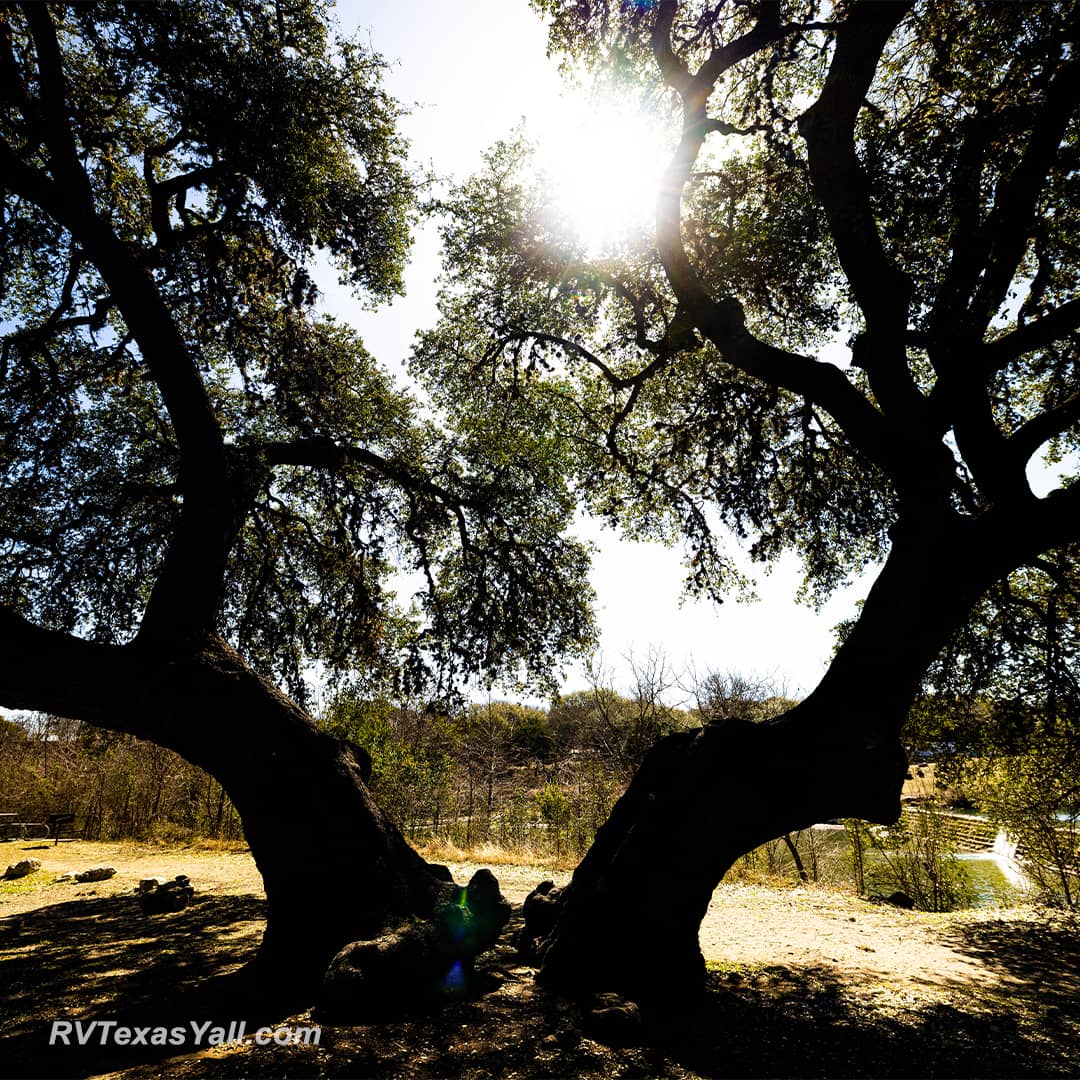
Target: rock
[(69, 876), (421, 959), (897, 899), (370, 978), (22, 868), (613, 1020), (540, 910), (162, 899), (96, 873)]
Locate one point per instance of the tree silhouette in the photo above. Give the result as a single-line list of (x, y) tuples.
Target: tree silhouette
[(205, 484), (899, 173)]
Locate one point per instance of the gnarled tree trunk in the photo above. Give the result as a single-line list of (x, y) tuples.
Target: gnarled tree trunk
[(335, 868), (629, 919)]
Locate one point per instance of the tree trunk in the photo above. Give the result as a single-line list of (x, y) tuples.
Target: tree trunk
[(629, 919), (796, 858), (335, 869)]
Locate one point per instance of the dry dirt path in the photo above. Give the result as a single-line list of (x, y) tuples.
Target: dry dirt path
[(747, 926)]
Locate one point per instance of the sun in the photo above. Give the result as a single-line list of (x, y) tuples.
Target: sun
[(604, 159)]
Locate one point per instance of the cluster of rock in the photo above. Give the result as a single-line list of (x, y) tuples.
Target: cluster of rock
[(30, 866), (22, 868), (161, 897), (419, 959)]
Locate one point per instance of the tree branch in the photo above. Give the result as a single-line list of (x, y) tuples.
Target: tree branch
[(161, 192), (616, 382), (1051, 522), (324, 453), (722, 321), (881, 289), (1016, 199), (52, 109), (1033, 335), (1026, 440), (185, 599), (49, 671)]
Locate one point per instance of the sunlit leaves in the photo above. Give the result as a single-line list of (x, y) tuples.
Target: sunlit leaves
[(665, 441), (226, 147)]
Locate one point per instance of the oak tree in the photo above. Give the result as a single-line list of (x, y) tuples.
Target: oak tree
[(895, 180), (206, 485)]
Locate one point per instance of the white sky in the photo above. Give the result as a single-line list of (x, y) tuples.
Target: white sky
[(471, 71)]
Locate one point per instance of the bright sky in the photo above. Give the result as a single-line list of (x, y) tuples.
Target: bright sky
[(472, 71)]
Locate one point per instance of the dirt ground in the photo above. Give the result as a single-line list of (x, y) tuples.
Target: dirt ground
[(746, 925), (888, 972)]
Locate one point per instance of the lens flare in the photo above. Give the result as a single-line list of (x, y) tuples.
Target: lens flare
[(604, 160), (454, 983)]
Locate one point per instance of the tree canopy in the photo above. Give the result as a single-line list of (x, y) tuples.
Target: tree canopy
[(198, 467), (898, 179), (186, 443)]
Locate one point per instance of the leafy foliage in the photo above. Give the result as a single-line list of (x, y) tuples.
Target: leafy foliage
[(1010, 678), (1034, 797), (171, 178), (951, 225)]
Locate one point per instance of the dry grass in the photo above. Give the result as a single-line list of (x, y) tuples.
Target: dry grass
[(490, 854)]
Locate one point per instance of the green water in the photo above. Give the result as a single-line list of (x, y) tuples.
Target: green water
[(989, 886)]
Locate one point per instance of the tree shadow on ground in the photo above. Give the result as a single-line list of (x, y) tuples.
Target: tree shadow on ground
[(800, 1022), (103, 958), (805, 1021), (1036, 958)]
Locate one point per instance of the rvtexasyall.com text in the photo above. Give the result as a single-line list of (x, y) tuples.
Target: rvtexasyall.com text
[(194, 1033)]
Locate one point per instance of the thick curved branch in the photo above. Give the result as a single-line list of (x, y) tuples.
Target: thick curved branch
[(1051, 522), (51, 108), (881, 289), (67, 197), (49, 671), (1027, 439), (766, 29), (1012, 220), (1032, 335), (676, 73), (990, 254), (822, 384), (185, 599), (164, 191)]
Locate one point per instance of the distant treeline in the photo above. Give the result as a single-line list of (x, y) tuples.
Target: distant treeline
[(511, 774), (538, 782), (117, 786)]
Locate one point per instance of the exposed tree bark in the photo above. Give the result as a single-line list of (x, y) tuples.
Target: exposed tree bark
[(629, 919), (796, 858), (335, 868)]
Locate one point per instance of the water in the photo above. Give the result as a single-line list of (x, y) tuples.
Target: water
[(993, 882), (994, 877), (989, 879)]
